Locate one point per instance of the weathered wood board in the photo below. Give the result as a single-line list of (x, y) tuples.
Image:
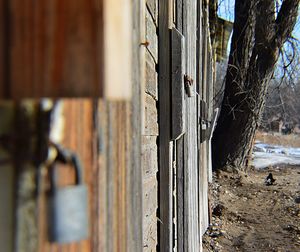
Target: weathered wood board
[(177, 87), (180, 193), (191, 177), (165, 174)]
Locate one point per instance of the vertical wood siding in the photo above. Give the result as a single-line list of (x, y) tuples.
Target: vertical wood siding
[(165, 170), (150, 132)]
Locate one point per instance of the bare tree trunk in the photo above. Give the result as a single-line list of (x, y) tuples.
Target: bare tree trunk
[(257, 38)]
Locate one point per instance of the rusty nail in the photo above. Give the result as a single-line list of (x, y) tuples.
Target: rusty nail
[(146, 43)]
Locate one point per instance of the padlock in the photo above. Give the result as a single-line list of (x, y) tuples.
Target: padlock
[(68, 208)]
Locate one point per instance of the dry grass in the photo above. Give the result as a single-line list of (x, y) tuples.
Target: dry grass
[(291, 140)]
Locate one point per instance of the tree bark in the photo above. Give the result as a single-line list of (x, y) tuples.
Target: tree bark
[(257, 38)]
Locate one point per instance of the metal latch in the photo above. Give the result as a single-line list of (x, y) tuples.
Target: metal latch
[(188, 83)]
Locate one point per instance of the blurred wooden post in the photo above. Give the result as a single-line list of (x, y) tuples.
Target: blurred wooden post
[(65, 49), (117, 48), (7, 174), (71, 49)]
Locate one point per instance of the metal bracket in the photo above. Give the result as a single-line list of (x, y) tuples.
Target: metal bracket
[(203, 120), (188, 83)]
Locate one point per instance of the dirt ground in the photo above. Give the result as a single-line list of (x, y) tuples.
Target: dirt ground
[(250, 216)]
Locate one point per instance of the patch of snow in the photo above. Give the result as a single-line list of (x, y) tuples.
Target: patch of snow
[(265, 155)]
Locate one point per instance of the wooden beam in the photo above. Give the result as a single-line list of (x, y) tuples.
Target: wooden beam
[(66, 49), (164, 92), (7, 178), (180, 193), (57, 49), (117, 48), (178, 92), (134, 173), (192, 238)]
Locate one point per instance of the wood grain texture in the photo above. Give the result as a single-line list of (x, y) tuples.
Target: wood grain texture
[(180, 193), (4, 42), (55, 48), (151, 35), (191, 180), (151, 86), (151, 118), (66, 49), (177, 88), (134, 178), (152, 5), (100, 132), (204, 108), (123, 208), (179, 15), (76, 135), (150, 132), (164, 92), (105, 134), (212, 115)]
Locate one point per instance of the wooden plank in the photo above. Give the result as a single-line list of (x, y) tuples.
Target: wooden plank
[(150, 220), (179, 15), (151, 35), (165, 187), (117, 48), (151, 86), (7, 179), (203, 175), (134, 178), (212, 113), (204, 141), (101, 133), (117, 172), (72, 127), (7, 210), (57, 48), (149, 157), (4, 43), (26, 202), (153, 8), (191, 205), (180, 193), (150, 132), (178, 92), (151, 125)]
